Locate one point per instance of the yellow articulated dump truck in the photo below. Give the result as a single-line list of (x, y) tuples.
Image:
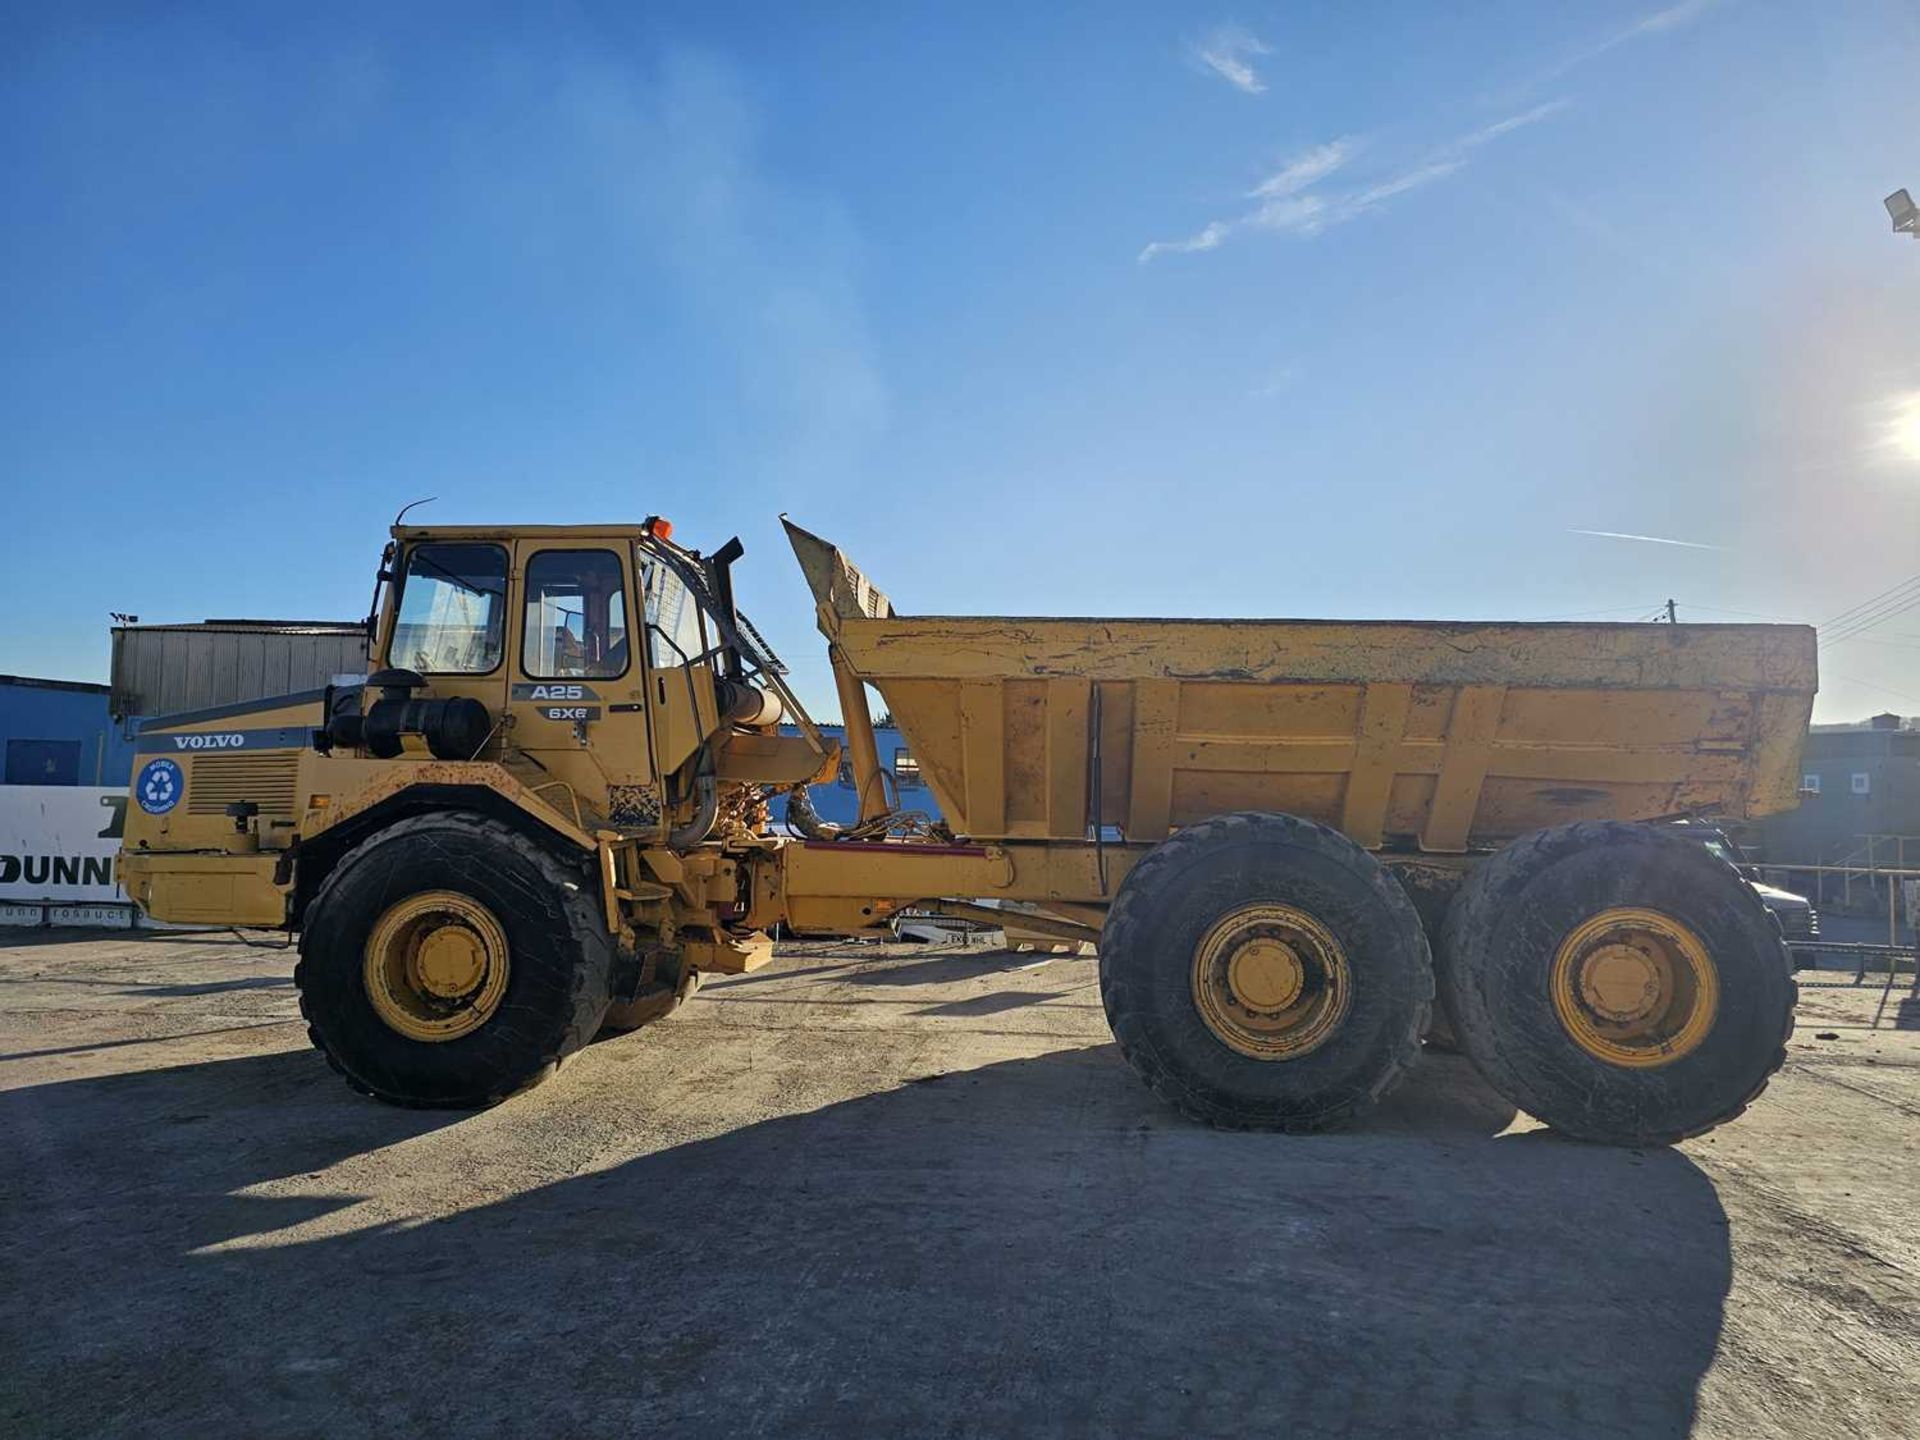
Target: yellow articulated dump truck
[(544, 815)]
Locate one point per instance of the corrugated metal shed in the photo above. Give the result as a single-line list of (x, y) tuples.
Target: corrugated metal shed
[(160, 669)]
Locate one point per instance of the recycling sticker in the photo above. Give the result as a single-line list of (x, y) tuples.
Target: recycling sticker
[(158, 785)]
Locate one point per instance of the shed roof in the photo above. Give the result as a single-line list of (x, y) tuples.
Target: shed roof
[(38, 683)]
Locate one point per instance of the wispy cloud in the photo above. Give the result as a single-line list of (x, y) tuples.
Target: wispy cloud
[(1229, 52), (1206, 239), (1289, 203), (1507, 126), (1646, 539), (1293, 201), (1654, 22), (1309, 167)]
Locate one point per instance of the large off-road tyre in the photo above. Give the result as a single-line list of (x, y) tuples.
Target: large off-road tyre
[(1618, 981), (656, 1002), (449, 962), (1261, 971)]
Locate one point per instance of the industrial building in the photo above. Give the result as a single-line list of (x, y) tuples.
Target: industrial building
[(78, 732), (165, 669), (61, 732), (69, 746), (1859, 789)]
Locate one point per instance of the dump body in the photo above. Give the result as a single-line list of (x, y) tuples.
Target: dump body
[(1437, 736)]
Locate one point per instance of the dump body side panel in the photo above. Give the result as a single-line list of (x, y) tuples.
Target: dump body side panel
[(1440, 735)]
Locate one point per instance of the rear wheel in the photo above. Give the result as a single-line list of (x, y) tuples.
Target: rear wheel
[(1620, 983), (1263, 971), (450, 961)]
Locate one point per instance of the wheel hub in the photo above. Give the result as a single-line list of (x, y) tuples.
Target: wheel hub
[(1270, 981), (436, 965), (1635, 987), (1620, 982), (1265, 974), (450, 962)]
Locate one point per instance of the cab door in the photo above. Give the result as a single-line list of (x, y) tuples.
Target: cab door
[(681, 701), (578, 696)]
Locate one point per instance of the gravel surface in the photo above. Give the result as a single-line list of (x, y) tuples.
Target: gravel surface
[(908, 1191)]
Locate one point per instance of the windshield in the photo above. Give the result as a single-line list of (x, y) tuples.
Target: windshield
[(452, 610)]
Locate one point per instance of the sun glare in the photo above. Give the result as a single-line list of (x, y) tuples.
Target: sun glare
[(1903, 431)]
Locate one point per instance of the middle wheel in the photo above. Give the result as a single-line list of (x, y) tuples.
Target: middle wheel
[(1261, 970)]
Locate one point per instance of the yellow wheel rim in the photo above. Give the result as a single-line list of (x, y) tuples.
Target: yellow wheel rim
[(1271, 982), (1635, 988), (436, 965)]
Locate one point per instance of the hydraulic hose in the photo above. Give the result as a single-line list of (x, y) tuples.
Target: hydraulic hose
[(804, 818), (701, 826)]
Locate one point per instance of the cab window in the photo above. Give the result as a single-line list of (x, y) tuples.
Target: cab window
[(576, 616), (674, 633), (452, 615)]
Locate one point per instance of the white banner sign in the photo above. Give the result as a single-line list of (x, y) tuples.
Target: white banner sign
[(57, 842)]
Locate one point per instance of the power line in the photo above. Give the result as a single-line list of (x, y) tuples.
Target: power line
[(1872, 612), (1883, 689), (1895, 606), (1744, 614), (1864, 604), (1868, 620), (1635, 610)]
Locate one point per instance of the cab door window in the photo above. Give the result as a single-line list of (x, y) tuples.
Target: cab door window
[(576, 616), (675, 634)]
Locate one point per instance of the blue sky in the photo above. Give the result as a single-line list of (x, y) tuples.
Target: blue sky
[(1293, 310)]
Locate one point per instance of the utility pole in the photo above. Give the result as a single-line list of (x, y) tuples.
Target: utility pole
[(1672, 618)]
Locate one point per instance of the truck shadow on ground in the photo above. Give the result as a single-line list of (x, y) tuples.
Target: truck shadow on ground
[(1035, 1246)]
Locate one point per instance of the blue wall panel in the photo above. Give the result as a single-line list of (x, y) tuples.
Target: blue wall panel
[(836, 801), (44, 717)]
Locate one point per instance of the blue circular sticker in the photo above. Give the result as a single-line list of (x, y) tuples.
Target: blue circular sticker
[(158, 786)]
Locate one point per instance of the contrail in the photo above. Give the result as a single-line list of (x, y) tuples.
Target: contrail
[(1646, 539)]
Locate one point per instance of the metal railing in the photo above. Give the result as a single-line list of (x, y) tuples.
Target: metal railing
[(1894, 950)]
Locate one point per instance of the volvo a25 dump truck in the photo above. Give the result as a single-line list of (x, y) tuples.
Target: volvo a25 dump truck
[(544, 815)]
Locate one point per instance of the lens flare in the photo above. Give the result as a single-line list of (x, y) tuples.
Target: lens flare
[(1903, 432)]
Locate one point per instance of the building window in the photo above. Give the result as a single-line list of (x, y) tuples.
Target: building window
[(906, 769), (1861, 785), (1809, 784)]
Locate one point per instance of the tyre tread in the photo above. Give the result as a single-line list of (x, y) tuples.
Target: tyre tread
[(590, 977), (1499, 880), (1128, 912)]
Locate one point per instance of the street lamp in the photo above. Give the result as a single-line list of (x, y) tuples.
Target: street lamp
[(1906, 215)]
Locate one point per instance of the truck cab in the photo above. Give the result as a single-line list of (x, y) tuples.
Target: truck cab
[(606, 658), (581, 680)]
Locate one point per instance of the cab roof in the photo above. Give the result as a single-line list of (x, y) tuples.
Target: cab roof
[(517, 532)]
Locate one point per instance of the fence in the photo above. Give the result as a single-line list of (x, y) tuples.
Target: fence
[(1902, 886)]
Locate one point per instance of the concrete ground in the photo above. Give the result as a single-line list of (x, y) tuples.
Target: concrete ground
[(908, 1192)]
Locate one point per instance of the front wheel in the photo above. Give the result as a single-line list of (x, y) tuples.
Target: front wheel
[(1262, 971), (449, 961), (1617, 981)]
